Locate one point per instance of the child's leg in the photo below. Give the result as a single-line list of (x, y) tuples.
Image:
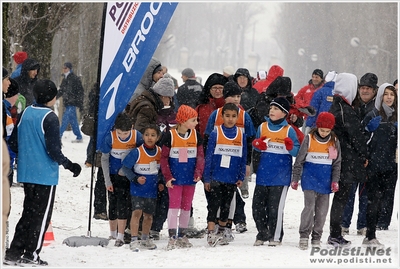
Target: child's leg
[(307, 215), (146, 225), (321, 210), (136, 214), (175, 196), (186, 205)]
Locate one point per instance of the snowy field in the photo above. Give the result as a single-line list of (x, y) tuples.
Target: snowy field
[(71, 213)]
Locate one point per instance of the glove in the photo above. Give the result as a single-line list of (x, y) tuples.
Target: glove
[(259, 143), (74, 168), (288, 143), (335, 186), (373, 124), (294, 185)]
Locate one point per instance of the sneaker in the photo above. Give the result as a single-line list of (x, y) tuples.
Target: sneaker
[(315, 243), (372, 243), (195, 233), (303, 243), (274, 243), (258, 243), (338, 242), (228, 235), (245, 194), (345, 231), (171, 243), (148, 244), (362, 231), (77, 141), (213, 239), (31, 263), (134, 245), (183, 242), (119, 243), (10, 261), (241, 227), (102, 216), (154, 235)]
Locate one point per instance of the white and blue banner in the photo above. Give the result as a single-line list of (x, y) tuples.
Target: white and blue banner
[(132, 31)]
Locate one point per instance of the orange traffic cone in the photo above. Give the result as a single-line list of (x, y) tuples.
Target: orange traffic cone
[(48, 236)]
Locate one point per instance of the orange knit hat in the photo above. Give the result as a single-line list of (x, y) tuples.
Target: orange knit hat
[(184, 113)]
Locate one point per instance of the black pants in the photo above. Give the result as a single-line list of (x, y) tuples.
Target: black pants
[(221, 195), (240, 216), (35, 219), (386, 209), (339, 201), (377, 186), (100, 193), (268, 205)]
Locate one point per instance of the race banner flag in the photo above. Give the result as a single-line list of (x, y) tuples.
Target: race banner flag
[(131, 33)]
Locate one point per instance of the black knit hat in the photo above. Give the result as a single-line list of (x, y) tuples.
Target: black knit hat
[(5, 73), (68, 65), (44, 91), (318, 72), (13, 89), (282, 103), (370, 80), (231, 88)]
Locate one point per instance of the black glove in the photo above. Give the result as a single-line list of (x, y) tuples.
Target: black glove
[(74, 168), (308, 110)]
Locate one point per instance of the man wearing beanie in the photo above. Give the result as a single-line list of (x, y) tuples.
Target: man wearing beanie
[(19, 57), (362, 104), (232, 94), (29, 75), (72, 92), (303, 97), (189, 92), (37, 141), (275, 146)]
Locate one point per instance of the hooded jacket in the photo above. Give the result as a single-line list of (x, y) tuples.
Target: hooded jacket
[(147, 79), (25, 82), (382, 143), (249, 94), (273, 72), (349, 130)]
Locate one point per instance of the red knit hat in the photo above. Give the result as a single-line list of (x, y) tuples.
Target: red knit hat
[(325, 120), (20, 57), (184, 113)]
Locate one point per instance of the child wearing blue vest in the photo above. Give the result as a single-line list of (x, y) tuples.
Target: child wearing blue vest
[(142, 167), (182, 164), (116, 145), (275, 146), (224, 171), (318, 165)]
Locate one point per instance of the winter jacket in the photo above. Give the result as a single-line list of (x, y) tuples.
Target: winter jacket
[(321, 102), (71, 90), (25, 82), (349, 130), (189, 93), (144, 109), (303, 97), (274, 72), (147, 79), (382, 142), (249, 94)]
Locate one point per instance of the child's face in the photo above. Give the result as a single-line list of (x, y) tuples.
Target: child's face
[(275, 113), (388, 97), (324, 132), (150, 137), (230, 118), (190, 123), (235, 99), (123, 134)]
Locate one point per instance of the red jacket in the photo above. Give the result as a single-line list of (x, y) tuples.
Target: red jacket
[(274, 72), (204, 111)]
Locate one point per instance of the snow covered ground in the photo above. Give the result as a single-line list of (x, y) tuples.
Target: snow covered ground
[(70, 218)]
